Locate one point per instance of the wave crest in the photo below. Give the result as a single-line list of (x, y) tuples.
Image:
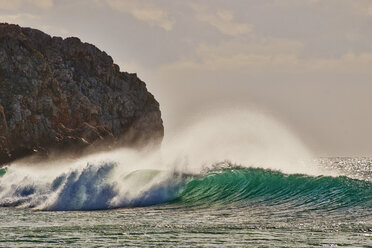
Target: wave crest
[(105, 186)]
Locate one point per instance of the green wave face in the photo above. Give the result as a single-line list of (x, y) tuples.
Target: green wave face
[(258, 186), (3, 171)]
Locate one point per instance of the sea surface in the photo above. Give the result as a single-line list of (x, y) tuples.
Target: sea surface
[(226, 205)]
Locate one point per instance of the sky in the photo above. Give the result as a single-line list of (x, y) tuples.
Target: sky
[(306, 63)]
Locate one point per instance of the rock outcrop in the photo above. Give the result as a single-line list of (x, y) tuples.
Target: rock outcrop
[(67, 95)]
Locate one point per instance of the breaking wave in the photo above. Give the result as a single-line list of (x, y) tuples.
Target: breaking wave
[(92, 188), (274, 169)]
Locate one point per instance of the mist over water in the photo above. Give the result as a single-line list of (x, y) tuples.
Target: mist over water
[(127, 178), (249, 139)]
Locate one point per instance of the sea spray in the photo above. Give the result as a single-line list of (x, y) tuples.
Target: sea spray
[(90, 188), (128, 178), (248, 138)]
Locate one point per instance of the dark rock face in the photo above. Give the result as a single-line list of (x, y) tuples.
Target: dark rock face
[(64, 94)]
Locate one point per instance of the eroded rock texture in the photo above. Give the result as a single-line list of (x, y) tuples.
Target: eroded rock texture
[(67, 95)]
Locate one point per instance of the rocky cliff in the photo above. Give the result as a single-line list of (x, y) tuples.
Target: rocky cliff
[(63, 94)]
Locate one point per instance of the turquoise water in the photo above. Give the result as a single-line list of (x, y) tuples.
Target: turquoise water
[(227, 206)]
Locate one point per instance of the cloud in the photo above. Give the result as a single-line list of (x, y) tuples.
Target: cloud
[(266, 56), (237, 56), (21, 19), (17, 4), (143, 11), (347, 63), (224, 21)]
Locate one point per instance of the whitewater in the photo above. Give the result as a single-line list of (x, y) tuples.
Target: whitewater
[(235, 178)]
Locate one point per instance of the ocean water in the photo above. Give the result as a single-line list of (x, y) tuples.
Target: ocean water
[(225, 205), (231, 179)]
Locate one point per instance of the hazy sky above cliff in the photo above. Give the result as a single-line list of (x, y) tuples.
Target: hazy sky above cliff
[(307, 63)]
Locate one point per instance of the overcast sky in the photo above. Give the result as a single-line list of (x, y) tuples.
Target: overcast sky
[(306, 63)]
